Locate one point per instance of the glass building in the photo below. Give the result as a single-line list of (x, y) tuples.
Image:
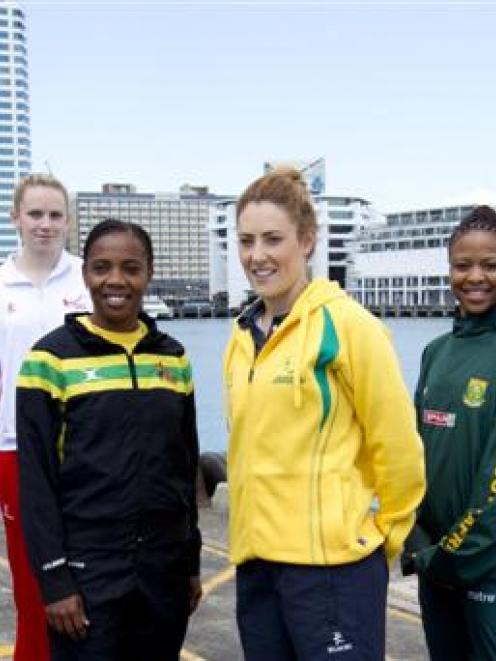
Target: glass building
[(15, 138)]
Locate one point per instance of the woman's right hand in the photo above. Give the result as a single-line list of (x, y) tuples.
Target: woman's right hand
[(67, 616)]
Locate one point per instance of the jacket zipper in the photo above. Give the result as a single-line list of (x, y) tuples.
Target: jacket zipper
[(132, 369)]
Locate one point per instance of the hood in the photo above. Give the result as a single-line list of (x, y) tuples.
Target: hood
[(319, 292)]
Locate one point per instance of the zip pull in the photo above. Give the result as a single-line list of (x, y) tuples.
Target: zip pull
[(250, 374)]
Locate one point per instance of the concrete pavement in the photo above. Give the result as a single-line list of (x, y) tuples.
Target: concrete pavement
[(212, 634)]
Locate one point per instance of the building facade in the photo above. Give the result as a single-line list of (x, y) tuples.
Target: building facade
[(177, 224), (340, 221), (15, 137), (403, 262)]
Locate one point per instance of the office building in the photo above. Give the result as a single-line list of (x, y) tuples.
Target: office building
[(404, 262), (15, 139), (176, 222)]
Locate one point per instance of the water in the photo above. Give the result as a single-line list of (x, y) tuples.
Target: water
[(205, 340)]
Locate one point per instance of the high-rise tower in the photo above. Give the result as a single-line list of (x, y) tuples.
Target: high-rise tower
[(15, 140)]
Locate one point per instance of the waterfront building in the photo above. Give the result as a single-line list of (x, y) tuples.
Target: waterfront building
[(340, 220), (402, 263), (15, 138), (176, 222)]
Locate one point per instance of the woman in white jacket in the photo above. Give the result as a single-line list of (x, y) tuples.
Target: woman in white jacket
[(39, 284)]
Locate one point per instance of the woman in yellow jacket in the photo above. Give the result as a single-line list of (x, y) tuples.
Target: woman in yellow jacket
[(325, 467)]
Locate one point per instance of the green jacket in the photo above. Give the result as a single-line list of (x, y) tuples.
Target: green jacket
[(454, 542)]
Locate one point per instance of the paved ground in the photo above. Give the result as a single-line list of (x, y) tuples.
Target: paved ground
[(212, 632)]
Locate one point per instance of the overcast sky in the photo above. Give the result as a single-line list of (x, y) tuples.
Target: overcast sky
[(399, 97)]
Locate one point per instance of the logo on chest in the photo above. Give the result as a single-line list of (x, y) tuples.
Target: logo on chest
[(474, 395), (285, 373), (438, 418)]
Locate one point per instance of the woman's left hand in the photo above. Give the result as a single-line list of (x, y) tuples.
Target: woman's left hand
[(195, 592)]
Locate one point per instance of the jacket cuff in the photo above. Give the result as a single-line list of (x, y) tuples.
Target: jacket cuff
[(57, 584)]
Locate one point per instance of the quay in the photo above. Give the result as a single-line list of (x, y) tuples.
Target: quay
[(212, 634)]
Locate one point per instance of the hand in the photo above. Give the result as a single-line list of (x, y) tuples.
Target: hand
[(195, 592), (67, 616)]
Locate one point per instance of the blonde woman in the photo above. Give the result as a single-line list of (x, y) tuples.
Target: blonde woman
[(321, 425), (38, 286)]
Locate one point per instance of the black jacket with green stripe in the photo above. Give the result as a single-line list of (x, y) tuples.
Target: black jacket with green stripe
[(454, 542), (108, 453)]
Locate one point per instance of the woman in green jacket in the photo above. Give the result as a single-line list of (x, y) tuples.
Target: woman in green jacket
[(453, 546), (320, 426)]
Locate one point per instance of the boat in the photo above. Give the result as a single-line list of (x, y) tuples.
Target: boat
[(155, 308)]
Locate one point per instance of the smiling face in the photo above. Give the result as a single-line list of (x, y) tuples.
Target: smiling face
[(273, 255), (473, 271), (117, 273), (42, 220)]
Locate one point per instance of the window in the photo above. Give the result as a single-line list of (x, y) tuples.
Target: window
[(6, 164), (4, 23), (6, 186), (5, 81), (24, 152), (5, 117), (22, 118), (24, 164), (4, 94), (4, 46), (4, 35), (6, 140), (18, 25), (4, 58), (19, 36), (18, 12), (19, 48), (19, 59), (22, 129), (5, 105), (5, 128), (20, 105), (24, 141), (6, 175), (21, 83), (20, 71), (6, 152)]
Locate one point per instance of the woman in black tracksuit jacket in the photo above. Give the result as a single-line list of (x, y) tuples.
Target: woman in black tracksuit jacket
[(108, 455)]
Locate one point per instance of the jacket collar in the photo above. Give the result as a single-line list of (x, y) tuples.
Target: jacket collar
[(474, 324)]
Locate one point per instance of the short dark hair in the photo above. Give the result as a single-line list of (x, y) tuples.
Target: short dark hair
[(480, 219), (114, 226)]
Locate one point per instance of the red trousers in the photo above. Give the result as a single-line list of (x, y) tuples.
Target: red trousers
[(31, 637)]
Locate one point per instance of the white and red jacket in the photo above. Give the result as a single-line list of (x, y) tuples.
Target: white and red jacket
[(27, 312)]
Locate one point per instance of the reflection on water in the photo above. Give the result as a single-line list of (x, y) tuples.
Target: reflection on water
[(205, 340)]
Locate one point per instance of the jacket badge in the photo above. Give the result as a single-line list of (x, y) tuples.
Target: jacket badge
[(166, 373), (285, 374), (11, 308), (438, 418), (475, 392)]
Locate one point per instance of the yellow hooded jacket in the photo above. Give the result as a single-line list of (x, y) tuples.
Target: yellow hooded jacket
[(321, 428)]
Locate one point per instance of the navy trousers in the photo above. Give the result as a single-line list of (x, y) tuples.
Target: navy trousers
[(459, 625), (289, 612), (129, 628)]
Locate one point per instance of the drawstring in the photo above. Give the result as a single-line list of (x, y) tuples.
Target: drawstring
[(300, 348)]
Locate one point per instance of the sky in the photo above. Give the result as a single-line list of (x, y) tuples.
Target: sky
[(399, 97)]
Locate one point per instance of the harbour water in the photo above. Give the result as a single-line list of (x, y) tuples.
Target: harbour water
[(205, 340)]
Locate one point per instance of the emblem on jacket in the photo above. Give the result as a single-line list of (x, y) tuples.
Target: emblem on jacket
[(285, 374), (75, 303), (475, 392), (166, 373), (11, 308), (438, 418)]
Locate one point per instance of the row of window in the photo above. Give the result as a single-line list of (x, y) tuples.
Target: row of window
[(408, 281), (18, 48), (11, 175), (15, 12), (9, 82), (7, 140), (8, 128), (20, 94), (7, 105)]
